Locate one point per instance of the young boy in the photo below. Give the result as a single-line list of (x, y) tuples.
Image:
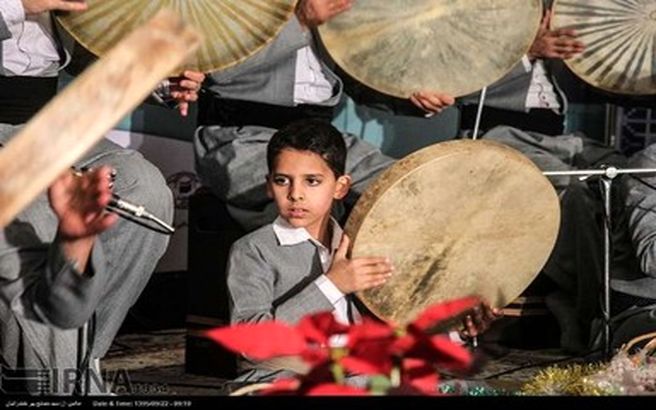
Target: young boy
[(297, 265)]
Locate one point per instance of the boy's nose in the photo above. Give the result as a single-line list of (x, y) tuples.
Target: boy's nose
[(296, 194)]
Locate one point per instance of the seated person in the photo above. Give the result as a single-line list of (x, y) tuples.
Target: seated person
[(633, 283), (576, 264), (244, 105), (48, 289), (34, 50), (298, 265), (528, 97)]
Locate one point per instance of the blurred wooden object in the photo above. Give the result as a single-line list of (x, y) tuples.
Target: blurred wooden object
[(90, 106)]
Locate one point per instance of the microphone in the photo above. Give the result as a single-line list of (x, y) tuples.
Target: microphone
[(129, 210), (120, 206)]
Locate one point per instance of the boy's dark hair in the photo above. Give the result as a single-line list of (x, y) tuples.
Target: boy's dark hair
[(310, 135)]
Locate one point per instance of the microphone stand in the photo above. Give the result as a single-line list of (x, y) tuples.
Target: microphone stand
[(479, 113), (607, 175), (477, 126)]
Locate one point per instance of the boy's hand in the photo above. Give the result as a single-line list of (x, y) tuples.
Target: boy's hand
[(479, 320), (79, 201), (353, 275)]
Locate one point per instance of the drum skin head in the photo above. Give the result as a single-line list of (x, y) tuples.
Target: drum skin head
[(232, 30), (457, 218), (457, 47), (620, 41)]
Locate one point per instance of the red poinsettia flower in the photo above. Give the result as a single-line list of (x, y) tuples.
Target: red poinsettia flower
[(439, 313), (372, 348), (309, 339), (281, 339), (369, 348), (333, 389), (420, 375)]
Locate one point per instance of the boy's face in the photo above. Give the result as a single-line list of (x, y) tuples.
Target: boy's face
[(303, 187)]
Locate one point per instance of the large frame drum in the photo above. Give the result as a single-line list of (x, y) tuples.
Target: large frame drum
[(456, 218)]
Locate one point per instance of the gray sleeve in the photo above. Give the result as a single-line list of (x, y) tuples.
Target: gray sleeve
[(283, 47), (43, 286), (251, 282), (4, 30), (508, 93), (640, 205), (4, 35), (65, 297)]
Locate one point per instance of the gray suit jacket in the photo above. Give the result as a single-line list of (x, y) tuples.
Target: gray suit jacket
[(268, 76), (268, 281), (638, 219), (511, 90)]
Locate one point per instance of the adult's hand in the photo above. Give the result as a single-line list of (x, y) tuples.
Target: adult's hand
[(40, 6), (184, 89), (432, 102), (561, 43), (313, 13)]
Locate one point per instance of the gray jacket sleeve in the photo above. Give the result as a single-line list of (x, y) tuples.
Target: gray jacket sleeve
[(640, 206), (268, 76), (4, 30), (64, 296), (507, 93), (4, 34), (36, 281), (283, 47), (41, 285), (251, 283)]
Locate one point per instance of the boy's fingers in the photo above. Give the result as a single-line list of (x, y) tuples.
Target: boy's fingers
[(368, 261), (343, 247), (374, 270), (375, 280)]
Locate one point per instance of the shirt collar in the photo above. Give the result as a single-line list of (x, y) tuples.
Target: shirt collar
[(289, 235)]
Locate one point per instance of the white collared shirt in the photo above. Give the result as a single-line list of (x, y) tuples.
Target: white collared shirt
[(310, 86), (541, 92), (32, 49), (288, 235)]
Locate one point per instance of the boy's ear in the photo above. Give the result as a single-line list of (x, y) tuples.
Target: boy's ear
[(342, 187), (268, 187)]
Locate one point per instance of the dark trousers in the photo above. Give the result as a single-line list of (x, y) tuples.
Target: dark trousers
[(544, 121), (218, 111), (22, 97)]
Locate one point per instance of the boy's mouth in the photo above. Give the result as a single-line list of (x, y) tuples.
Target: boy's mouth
[(297, 212)]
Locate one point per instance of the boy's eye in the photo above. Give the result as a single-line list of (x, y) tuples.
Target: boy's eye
[(281, 181), (312, 181)]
